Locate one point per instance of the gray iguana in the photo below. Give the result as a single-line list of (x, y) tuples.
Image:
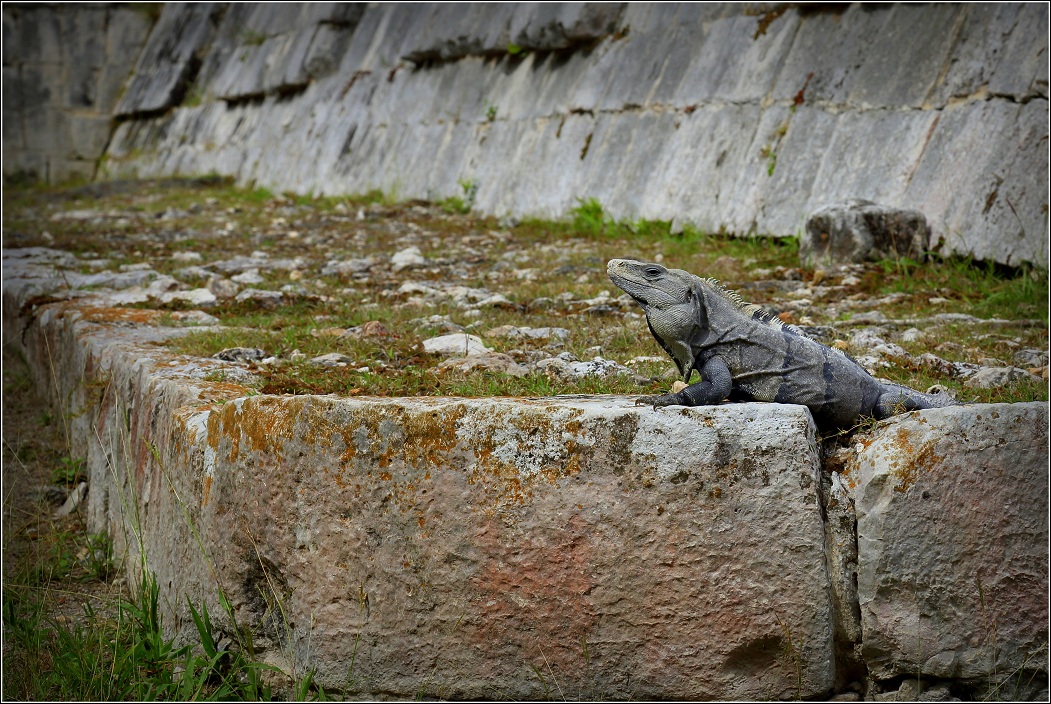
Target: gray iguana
[(745, 354)]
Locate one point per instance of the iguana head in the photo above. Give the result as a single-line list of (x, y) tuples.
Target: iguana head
[(672, 301)]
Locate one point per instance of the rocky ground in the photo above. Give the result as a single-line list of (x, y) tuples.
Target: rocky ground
[(364, 296)]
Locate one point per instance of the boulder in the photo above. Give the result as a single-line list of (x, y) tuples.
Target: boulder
[(858, 231), (952, 508)]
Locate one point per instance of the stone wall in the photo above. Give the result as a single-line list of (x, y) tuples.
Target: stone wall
[(65, 67), (722, 117)]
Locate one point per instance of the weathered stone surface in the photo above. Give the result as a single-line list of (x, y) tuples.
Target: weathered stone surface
[(466, 556), (862, 231), (952, 510)]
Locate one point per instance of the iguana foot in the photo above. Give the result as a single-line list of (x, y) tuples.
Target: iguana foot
[(659, 401)]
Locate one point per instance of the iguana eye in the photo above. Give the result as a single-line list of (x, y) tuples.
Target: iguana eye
[(652, 272)]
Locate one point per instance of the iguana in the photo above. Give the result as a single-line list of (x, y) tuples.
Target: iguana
[(745, 354)]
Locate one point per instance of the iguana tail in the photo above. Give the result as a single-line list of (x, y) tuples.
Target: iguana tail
[(901, 399)]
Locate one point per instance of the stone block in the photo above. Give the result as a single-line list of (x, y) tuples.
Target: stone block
[(47, 132), (547, 27), (952, 509), (326, 50), (826, 57), (776, 183), (977, 52), (729, 63), (1022, 68), (905, 68), (859, 231), (872, 155), (167, 60), (986, 208), (37, 34), (88, 136)]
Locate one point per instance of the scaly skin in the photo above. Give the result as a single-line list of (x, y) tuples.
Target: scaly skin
[(743, 354)]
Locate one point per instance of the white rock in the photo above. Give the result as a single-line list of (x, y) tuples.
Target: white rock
[(408, 258), (199, 297), (456, 345), (249, 276)]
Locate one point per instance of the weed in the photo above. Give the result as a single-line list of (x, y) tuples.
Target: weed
[(70, 471), (251, 37)]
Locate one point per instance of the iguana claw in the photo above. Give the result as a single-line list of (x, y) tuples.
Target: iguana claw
[(657, 401)]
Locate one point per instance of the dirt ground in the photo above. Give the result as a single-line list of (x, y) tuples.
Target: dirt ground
[(46, 560)]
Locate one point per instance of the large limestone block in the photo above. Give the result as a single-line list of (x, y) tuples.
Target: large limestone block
[(510, 548), (902, 70), (169, 58), (986, 209), (952, 509), (1002, 49)]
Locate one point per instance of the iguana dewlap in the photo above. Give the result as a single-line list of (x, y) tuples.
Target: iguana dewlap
[(744, 354)]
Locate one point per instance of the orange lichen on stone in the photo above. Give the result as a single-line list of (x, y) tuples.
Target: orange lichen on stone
[(206, 489), (222, 391), (101, 314), (913, 462)]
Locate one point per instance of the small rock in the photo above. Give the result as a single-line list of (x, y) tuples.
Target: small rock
[(193, 273), (347, 267), (866, 339), (223, 288), (497, 300), (332, 359), (240, 354), (941, 366), (938, 301), (186, 257), (141, 266), (372, 328), (456, 344), (601, 310), (938, 693), (1030, 358), (494, 361), (992, 362), (199, 297), (408, 258), (872, 316), (296, 356), (262, 297), (526, 333), (195, 317), (912, 335), (73, 501), (559, 366), (993, 377), (249, 277)]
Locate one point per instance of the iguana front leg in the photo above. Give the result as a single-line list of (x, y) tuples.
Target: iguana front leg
[(714, 387)]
